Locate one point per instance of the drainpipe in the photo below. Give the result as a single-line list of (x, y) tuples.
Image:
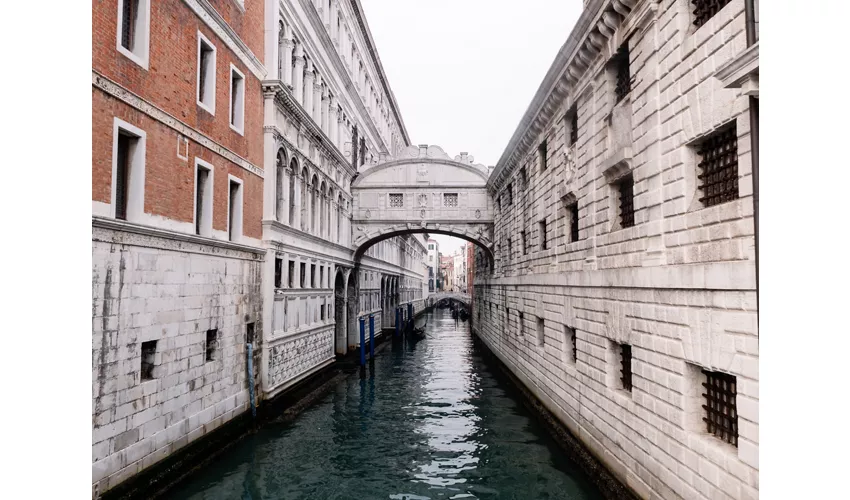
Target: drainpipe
[(749, 10)]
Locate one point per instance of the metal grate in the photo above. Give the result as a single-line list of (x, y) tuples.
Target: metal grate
[(148, 359), (450, 199), (574, 222), (706, 9), (719, 167), (626, 368), (121, 175), (626, 188), (542, 151), (128, 23), (720, 406), (624, 80), (396, 200), (573, 126)]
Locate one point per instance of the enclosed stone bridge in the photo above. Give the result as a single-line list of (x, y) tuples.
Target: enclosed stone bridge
[(422, 190), (436, 298)]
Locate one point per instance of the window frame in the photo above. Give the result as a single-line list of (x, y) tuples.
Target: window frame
[(238, 128), (207, 210), (135, 203), (142, 21), (240, 206), (210, 108)]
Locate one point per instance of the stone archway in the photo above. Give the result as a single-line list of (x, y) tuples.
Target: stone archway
[(353, 308)]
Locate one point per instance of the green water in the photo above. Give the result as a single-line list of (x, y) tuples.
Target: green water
[(430, 421)]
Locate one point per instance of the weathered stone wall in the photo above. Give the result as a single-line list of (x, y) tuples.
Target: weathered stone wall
[(678, 286), (153, 285)]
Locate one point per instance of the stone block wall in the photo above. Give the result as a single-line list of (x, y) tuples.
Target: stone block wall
[(678, 286), (150, 285)]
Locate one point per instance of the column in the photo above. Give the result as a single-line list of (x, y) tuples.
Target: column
[(325, 109), (333, 120), (307, 209), (287, 178), (298, 73), (334, 215), (340, 131), (296, 178), (286, 47), (308, 88), (316, 112), (334, 17)]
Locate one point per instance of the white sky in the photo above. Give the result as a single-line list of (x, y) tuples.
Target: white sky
[(464, 71)]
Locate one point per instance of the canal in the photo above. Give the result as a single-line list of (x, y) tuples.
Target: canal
[(430, 420)]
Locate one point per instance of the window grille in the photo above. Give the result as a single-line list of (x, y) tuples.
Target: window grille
[(626, 369), (719, 167), (573, 208), (706, 9), (627, 208), (128, 23), (624, 80), (450, 199), (720, 406), (211, 344), (122, 173), (396, 200)]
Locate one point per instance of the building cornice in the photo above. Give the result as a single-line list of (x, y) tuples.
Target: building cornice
[(742, 71), (594, 31), (150, 231), (364, 26), (284, 229), (121, 93), (284, 98), (207, 13)]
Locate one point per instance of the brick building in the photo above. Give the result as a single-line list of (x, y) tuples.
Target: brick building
[(624, 294), (177, 183)]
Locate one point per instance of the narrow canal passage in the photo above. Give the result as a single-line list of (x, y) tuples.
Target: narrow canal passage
[(431, 421)]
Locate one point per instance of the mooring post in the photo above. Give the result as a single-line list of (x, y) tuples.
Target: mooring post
[(397, 321), (371, 336), (410, 314), (362, 341)]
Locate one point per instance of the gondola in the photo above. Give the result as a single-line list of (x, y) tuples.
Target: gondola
[(420, 332)]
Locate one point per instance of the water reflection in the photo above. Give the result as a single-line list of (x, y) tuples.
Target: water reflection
[(426, 420)]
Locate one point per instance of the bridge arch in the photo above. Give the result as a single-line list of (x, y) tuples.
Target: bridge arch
[(422, 190)]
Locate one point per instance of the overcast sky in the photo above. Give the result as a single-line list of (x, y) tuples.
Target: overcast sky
[(464, 71)]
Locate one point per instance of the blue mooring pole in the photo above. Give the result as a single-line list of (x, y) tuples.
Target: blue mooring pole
[(251, 379), (371, 336), (362, 341)]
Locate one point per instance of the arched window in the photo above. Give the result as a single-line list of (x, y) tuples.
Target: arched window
[(305, 200), (279, 200), (293, 169), (314, 192), (339, 218), (323, 226)]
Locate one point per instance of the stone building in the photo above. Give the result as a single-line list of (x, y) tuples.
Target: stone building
[(433, 265), (225, 138), (447, 268), (624, 292)]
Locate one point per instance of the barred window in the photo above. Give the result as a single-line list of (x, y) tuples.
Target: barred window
[(542, 152), (572, 210), (626, 188), (148, 359), (524, 242), (621, 66), (542, 225), (520, 325), (212, 344), (541, 332), (626, 366), (721, 406), (718, 177), (706, 9), (573, 125), (523, 176), (396, 200), (570, 344), (450, 199)]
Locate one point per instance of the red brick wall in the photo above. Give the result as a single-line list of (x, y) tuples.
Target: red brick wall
[(169, 180), (171, 79), (170, 83)]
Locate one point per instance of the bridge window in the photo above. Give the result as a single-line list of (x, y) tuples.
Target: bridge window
[(706, 9), (626, 366), (524, 242), (396, 200), (570, 350), (542, 152), (572, 212), (571, 125), (523, 177), (541, 329), (626, 190), (620, 65), (450, 199), (520, 325), (148, 360)]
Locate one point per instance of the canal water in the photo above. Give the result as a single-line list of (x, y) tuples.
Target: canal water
[(429, 421)]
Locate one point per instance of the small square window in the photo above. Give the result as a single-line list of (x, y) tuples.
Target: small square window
[(396, 200), (148, 360), (718, 167), (212, 344), (237, 100), (206, 73)]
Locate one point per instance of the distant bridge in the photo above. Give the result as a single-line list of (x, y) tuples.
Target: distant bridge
[(435, 298)]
